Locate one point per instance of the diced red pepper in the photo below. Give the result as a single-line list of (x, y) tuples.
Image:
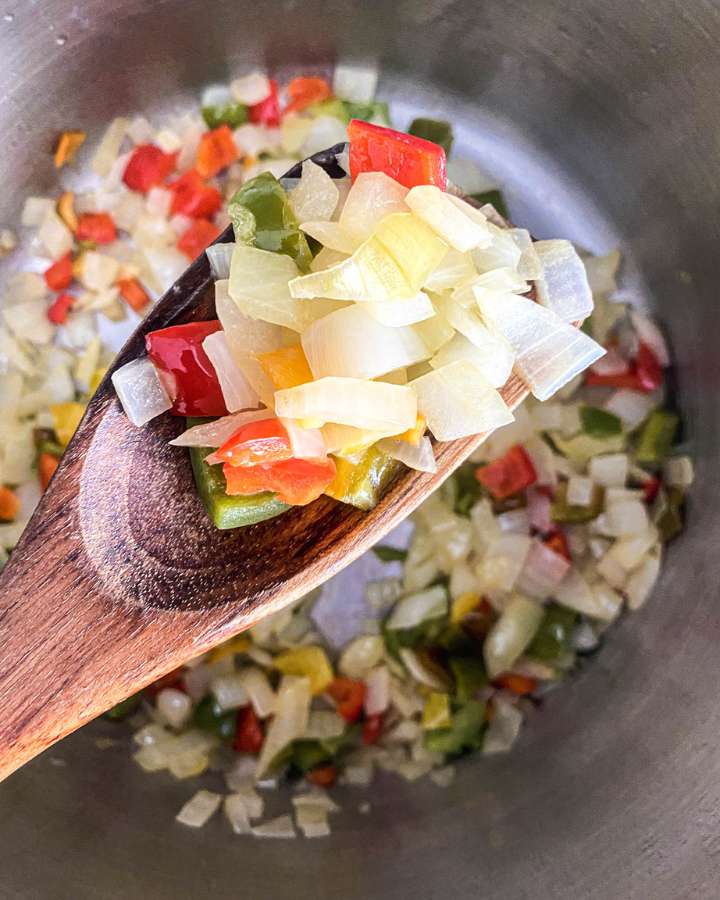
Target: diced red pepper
[(199, 235), (185, 370), (97, 227), (216, 152), (59, 308), (47, 463), (267, 111), (508, 475), (645, 373), (173, 680), (557, 542), (249, 735), (192, 197), (60, 274), (303, 92), (266, 441), (133, 293), (349, 696), (650, 489), (517, 684), (295, 481), (148, 167), (322, 776), (372, 728), (409, 160)]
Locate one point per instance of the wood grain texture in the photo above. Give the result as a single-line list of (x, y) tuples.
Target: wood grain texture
[(121, 577)]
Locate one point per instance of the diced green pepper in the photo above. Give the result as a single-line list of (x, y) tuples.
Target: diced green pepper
[(377, 112), (656, 437), (599, 422), (123, 709), (331, 107), (581, 448), (362, 482), (562, 511), (210, 716), (668, 513), (470, 676), (495, 198), (306, 755), (225, 511), (434, 130), (465, 731), (468, 489), (261, 214), (232, 114), (389, 554), (552, 640)]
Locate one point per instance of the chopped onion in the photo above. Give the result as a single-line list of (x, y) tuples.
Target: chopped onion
[(229, 691), (333, 237), (250, 89), (469, 176), (504, 557), (529, 265), (344, 440), (458, 223), (349, 343), (457, 401), (503, 252), (35, 210), (580, 490), (174, 707), (237, 814), (252, 140), (312, 821), (563, 287), (350, 401), (258, 689), (435, 332), (538, 510), (544, 462), (280, 827), (292, 708), (609, 470), (642, 581), (613, 363), (422, 673), (504, 727), (678, 471), (649, 333), (215, 433), (377, 694), (236, 391), (361, 655), (166, 264), (29, 322), (323, 725), (305, 443), (454, 268), (632, 407), (397, 313), (417, 608), (316, 195), (630, 551), (219, 256), (244, 334), (511, 634), (54, 235), (626, 517), (201, 807), (488, 351), (325, 131), (372, 196), (140, 391), (575, 593), (419, 457), (601, 272), (109, 146), (543, 571), (550, 352), (354, 82)]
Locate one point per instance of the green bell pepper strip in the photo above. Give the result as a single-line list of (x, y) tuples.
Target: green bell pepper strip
[(552, 641), (433, 130), (389, 554), (123, 709), (656, 437), (468, 489), (361, 482), (224, 510), (261, 214), (599, 422), (210, 716), (232, 114), (331, 107), (562, 511), (668, 513), (495, 198), (377, 112), (470, 676), (465, 731), (307, 754)]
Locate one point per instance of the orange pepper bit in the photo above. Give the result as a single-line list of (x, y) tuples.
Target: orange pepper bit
[(216, 152), (66, 210), (9, 505), (287, 367), (67, 146), (414, 434), (133, 293), (521, 685), (47, 463)]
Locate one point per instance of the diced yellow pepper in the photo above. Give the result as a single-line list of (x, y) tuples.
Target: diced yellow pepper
[(67, 146), (235, 645), (66, 210), (286, 368), (462, 606), (66, 418), (311, 662), (97, 377), (413, 435), (436, 712)]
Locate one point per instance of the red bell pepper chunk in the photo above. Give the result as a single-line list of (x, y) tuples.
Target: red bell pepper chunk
[(47, 463), (266, 441), (185, 370), (508, 475), (322, 776), (372, 728), (295, 481), (249, 735), (216, 152), (645, 373), (60, 274), (267, 111), (650, 489), (133, 293), (192, 197), (517, 684), (199, 235), (173, 680), (303, 92), (59, 308), (148, 167), (349, 696), (97, 227), (409, 160), (557, 542)]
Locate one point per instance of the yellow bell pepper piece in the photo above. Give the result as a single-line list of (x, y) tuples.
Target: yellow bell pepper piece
[(413, 435), (235, 645), (311, 662), (436, 712), (286, 368), (462, 606), (97, 377), (67, 146), (66, 418), (66, 210)]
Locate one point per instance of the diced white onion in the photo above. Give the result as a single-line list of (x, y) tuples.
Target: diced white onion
[(237, 392), (54, 235), (324, 132), (316, 195), (649, 333), (373, 196), (538, 510), (355, 82), (514, 521), (219, 256), (423, 674), (140, 391), (504, 727), (312, 821), (503, 252), (488, 351), (258, 689), (305, 443), (417, 608), (109, 146), (250, 89), (466, 174), (678, 471), (377, 694), (543, 571), (601, 272), (323, 725), (460, 225), (563, 287), (575, 593), (199, 809), (237, 814), (29, 322), (580, 490), (419, 457), (361, 655), (631, 407), (642, 581), (406, 311), (252, 140), (511, 634), (435, 332), (630, 551), (229, 690), (504, 557), (454, 268), (174, 707), (280, 827), (626, 517), (292, 708), (215, 433)]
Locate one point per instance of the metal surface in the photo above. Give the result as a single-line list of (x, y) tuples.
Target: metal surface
[(601, 117)]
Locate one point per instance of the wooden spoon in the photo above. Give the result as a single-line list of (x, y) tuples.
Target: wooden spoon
[(120, 576)]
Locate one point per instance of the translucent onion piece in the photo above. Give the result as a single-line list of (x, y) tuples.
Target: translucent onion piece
[(201, 807), (601, 272), (632, 407), (292, 708), (344, 440), (331, 235), (420, 457), (323, 725), (352, 344), (543, 571), (458, 401), (356, 83), (460, 225), (610, 469), (418, 608), (305, 443), (29, 322), (455, 268), (435, 332), (250, 89), (237, 814), (174, 707), (280, 827), (236, 390), (626, 517), (140, 392), (503, 252), (504, 557), (229, 691), (529, 265), (550, 352), (575, 593), (373, 196), (563, 287), (494, 360), (407, 311), (325, 131), (511, 634), (361, 655), (467, 175), (423, 674), (504, 727), (630, 551), (326, 258), (642, 581), (349, 401), (316, 195), (219, 256), (649, 333), (244, 334), (679, 471), (259, 286)]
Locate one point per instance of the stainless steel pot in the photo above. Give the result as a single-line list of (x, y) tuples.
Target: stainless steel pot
[(601, 117)]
